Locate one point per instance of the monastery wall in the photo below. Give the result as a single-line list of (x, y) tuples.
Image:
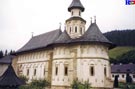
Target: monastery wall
[(81, 60), (34, 65)]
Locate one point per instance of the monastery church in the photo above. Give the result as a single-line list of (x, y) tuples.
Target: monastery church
[(61, 57)]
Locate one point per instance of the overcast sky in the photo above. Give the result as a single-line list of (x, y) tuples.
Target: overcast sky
[(18, 18)]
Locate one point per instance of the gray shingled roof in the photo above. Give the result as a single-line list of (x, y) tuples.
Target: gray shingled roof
[(63, 38), (9, 78), (93, 35), (123, 68), (40, 41), (6, 60), (76, 4)]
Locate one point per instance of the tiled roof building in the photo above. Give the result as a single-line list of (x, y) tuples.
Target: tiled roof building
[(61, 57)]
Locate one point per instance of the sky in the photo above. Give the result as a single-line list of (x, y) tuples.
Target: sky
[(19, 18)]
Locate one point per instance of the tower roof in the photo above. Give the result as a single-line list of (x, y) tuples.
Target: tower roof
[(9, 78), (92, 35), (76, 4)]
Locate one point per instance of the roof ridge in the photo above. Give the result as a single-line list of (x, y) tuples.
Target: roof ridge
[(47, 32)]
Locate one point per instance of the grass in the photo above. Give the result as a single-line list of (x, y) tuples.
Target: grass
[(118, 51)]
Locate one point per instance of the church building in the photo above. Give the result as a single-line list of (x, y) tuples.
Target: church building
[(61, 57)]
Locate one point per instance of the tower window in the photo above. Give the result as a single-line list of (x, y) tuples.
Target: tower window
[(92, 71), (70, 30), (81, 31), (72, 12), (79, 13), (75, 29), (35, 72), (56, 71), (105, 72), (66, 70), (27, 72)]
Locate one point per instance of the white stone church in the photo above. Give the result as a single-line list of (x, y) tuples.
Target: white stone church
[(61, 57)]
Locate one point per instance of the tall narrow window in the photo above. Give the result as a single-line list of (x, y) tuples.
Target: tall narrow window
[(27, 72), (75, 29), (35, 72), (79, 13), (105, 72), (66, 70), (72, 13), (81, 31), (44, 71), (70, 30), (56, 71), (92, 71)]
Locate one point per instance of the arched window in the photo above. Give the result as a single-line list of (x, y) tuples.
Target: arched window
[(44, 71), (72, 13), (75, 29), (81, 31), (27, 72), (92, 71), (56, 70), (70, 30), (66, 70), (35, 72), (105, 72), (79, 13)]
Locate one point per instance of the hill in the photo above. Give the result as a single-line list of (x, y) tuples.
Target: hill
[(118, 51), (123, 55), (122, 37)]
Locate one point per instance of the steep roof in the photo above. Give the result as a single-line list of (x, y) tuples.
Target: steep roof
[(9, 78), (93, 35), (6, 60), (76, 4), (123, 68), (40, 41), (63, 38)]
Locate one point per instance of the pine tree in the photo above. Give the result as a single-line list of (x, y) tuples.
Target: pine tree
[(1, 54), (6, 53)]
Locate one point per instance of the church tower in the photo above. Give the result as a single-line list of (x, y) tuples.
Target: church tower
[(75, 25)]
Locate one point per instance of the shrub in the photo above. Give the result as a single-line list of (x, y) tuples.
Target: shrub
[(24, 78), (78, 85), (36, 84)]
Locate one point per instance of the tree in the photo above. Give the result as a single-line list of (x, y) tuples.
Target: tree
[(1, 54), (121, 37), (6, 53)]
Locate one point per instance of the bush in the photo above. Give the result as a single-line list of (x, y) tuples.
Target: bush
[(78, 85), (24, 78), (124, 86), (40, 83), (36, 84)]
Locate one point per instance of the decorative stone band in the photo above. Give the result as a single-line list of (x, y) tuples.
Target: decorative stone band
[(81, 58)]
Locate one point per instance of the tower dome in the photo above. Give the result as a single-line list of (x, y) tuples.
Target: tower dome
[(76, 4)]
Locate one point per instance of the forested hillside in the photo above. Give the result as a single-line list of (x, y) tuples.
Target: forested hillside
[(122, 37), (125, 50)]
